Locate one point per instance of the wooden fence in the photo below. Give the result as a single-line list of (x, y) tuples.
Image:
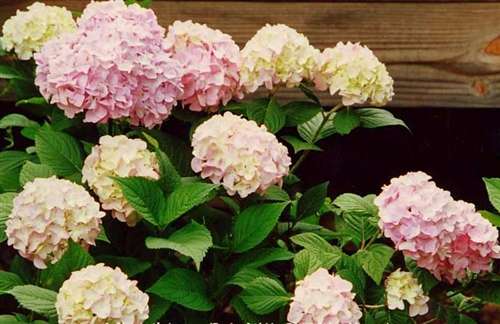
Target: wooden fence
[(441, 54)]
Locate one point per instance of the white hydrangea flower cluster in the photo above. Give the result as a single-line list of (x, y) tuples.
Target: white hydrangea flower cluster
[(402, 286), (323, 298), (47, 214), (354, 72), (118, 156), (238, 153), (99, 294), (28, 31), (277, 54)]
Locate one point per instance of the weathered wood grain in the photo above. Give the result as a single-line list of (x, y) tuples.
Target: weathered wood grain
[(440, 54)]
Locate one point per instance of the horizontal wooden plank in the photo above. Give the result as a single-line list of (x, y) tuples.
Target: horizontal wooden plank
[(440, 54)]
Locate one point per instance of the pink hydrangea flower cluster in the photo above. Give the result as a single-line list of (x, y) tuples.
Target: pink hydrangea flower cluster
[(238, 153), (211, 62), (323, 298), (47, 214), (115, 65), (447, 237)]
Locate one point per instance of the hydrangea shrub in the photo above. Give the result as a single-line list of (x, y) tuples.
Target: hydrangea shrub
[(159, 183)]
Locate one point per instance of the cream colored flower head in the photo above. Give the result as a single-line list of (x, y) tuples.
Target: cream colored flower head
[(323, 298), (354, 73), (277, 55), (238, 153), (99, 294), (47, 214), (118, 156), (402, 286), (28, 31)]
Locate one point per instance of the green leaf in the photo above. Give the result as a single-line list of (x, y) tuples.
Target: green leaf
[(304, 263), (375, 259), (11, 319), (17, 120), (75, 258), (5, 209), (325, 252), (36, 299), (9, 280), (424, 277), (275, 193), (352, 203), (184, 287), (245, 314), (256, 109), (275, 117), (131, 266), (299, 112), (30, 171), (178, 151), (264, 295), (493, 188), (312, 200), (299, 145), (317, 128), (245, 276), (494, 219), (35, 101), (102, 236), (9, 72), (10, 166), (59, 151), (376, 117), (345, 121), (184, 198), (488, 291), (158, 307), (309, 93), (192, 240), (349, 269), (170, 178), (260, 257), (254, 224), (144, 195)]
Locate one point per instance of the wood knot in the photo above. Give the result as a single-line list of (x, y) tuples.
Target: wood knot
[(480, 88), (493, 47)]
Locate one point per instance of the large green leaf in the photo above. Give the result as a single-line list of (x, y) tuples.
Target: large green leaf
[(493, 188), (245, 314), (36, 299), (17, 120), (5, 209), (324, 251), (299, 112), (304, 263), (254, 224), (260, 257), (10, 166), (9, 280), (424, 277), (9, 73), (75, 258), (376, 117), (192, 240), (30, 171), (312, 200), (375, 260), (145, 196), (184, 287), (345, 121), (131, 266), (349, 269), (494, 219), (352, 203), (245, 276), (264, 295), (158, 307), (185, 197), (60, 151), (256, 109), (317, 128), (299, 145), (170, 178), (275, 117)]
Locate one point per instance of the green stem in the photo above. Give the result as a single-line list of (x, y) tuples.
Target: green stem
[(326, 117)]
